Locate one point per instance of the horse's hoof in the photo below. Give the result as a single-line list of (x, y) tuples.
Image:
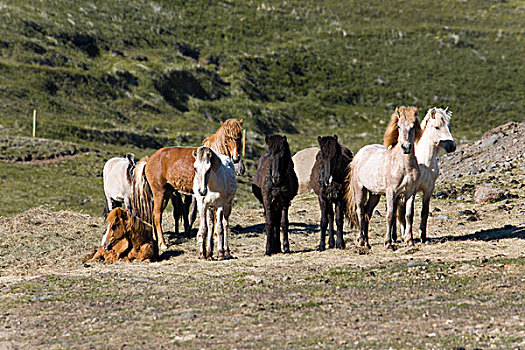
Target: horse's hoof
[(340, 245), (389, 247), (409, 242), (162, 248), (331, 244), (286, 251), (321, 247)]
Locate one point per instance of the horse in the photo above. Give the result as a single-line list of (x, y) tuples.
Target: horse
[(328, 182), (118, 177), (390, 169), (170, 169), (127, 238), (303, 163), (435, 135), (275, 185), (214, 187)]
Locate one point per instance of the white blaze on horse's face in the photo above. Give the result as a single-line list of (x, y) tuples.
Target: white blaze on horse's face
[(234, 145), (406, 129), (202, 173)]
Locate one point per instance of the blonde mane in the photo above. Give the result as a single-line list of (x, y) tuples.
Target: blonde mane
[(443, 116), (392, 133), (230, 129)]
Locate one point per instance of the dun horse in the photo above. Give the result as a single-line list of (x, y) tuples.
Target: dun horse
[(170, 169), (275, 185), (214, 187), (390, 169), (118, 178), (328, 182), (435, 135)]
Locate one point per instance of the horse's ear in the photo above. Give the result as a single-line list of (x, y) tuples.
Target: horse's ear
[(131, 158), (335, 137), (433, 113), (418, 130), (240, 121), (267, 139), (319, 138), (284, 137), (221, 122), (194, 153)]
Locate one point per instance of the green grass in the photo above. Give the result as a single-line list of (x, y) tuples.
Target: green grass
[(139, 75)]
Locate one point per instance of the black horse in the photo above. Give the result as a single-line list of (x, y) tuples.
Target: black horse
[(275, 185), (328, 182)]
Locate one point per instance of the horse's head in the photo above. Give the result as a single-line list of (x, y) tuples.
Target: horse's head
[(279, 154), (330, 149), (403, 128), (436, 125), (205, 161), (118, 222), (233, 141)]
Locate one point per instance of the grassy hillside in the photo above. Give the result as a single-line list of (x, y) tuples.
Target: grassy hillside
[(117, 76)]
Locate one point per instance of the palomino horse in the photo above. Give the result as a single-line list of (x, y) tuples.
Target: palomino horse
[(275, 185), (118, 177), (328, 182), (170, 169), (127, 238), (214, 187), (303, 163), (390, 169), (435, 135)]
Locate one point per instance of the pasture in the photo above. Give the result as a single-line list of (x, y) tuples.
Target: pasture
[(464, 288)]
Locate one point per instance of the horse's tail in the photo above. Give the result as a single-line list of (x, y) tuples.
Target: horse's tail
[(350, 204), (106, 208), (142, 196)]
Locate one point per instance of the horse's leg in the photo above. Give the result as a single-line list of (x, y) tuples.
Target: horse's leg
[(276, 221), (284, 227), (424, 215), (226, 227), (210, 218), (408, 238), (176, 202), (360, 199), (186, 213), (391, 203), (201, 234), (339, 220), (160, 200), (401, 220), (108, 207), (324, 222), (193, 214), (330, 212), (127, 204), (269, 229), (373, 200), (219, 232)]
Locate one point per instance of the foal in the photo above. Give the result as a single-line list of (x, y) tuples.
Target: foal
[(275, 185), (390, 169), (328, 182), (214, 187)]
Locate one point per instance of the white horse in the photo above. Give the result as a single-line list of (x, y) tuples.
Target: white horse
[(436, 134), (214, 187), (118, 179)]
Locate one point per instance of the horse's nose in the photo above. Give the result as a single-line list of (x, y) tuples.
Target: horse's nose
[(276, 179), (406, 148), (450, 147), (203, 192)]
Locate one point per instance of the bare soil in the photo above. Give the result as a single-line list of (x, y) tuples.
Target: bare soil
[(463, 289)]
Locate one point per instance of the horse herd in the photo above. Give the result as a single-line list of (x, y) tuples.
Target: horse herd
[(351, 185)]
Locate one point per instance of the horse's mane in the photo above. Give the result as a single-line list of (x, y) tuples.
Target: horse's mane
[(392, 133), (443, 115), (231, 128)]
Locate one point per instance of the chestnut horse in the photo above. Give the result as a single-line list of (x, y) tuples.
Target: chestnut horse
[(328, 182), (171, 169), (275, 185), (390, 169), (127, 238)]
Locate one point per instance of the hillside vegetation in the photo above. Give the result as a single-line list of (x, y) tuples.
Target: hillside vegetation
[(109, 77)]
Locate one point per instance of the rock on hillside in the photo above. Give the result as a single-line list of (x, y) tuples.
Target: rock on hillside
[(499, 150)]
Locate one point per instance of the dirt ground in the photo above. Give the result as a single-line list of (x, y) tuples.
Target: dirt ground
[(463, 289)]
